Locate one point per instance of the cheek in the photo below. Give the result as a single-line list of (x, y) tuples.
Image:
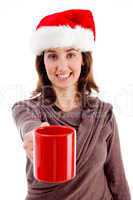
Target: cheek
[(77, 65), (49, 67), (50, 71), (77, 69)]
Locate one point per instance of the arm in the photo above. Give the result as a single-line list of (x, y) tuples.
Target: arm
[(114, 168), (26, 117)]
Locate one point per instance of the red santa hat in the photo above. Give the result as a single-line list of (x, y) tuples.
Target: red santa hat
[(70, 28)]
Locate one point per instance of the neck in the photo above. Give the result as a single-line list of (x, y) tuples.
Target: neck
[(66, 98)]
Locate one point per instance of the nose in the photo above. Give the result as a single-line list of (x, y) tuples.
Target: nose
[(62, 65)]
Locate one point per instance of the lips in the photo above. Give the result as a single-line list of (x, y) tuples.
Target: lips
[(63, 76)]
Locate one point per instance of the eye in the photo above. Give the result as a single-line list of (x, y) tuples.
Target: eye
[(52, 56), (70, 55)]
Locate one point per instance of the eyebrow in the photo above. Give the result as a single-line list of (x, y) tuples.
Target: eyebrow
[(53, 51)]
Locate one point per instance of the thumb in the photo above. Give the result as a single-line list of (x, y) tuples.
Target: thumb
[(44, 124)]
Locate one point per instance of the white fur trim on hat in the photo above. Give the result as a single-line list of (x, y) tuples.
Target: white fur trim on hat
[(62, 36)]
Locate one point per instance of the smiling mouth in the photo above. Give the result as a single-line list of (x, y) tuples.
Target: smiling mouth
[(63, 77)]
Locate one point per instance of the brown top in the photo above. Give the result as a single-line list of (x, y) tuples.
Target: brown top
[(99, 167)]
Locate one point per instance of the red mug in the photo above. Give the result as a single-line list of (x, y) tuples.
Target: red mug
[(54, 153)]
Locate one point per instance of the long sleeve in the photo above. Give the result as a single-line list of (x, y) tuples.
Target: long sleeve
[(26, 117), (114, 168)]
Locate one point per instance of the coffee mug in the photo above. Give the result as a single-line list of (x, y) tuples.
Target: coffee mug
[(54, 153)]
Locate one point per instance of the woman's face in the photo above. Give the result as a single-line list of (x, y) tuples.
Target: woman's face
[(63, 66)]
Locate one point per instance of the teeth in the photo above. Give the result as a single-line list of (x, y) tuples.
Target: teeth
[(62, 77)]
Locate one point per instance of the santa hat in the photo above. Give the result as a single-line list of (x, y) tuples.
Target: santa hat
[(70, 28)]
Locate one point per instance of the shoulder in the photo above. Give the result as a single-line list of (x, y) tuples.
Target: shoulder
[(102, 110), (104, 115), (29, 104), (96, 103), (108, 114)]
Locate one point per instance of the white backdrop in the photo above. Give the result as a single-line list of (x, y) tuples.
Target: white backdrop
[(113, 68)]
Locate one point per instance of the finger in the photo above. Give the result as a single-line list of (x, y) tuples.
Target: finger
[(44, 124), (28, 140), (27, 136), (27, 146)]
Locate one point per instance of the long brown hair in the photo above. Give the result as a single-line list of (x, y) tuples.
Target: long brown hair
[(86, 80)]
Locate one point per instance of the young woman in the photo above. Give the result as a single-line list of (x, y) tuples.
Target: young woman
[(63, 44)]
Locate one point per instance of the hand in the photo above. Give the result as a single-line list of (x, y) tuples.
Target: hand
[(28, 141)]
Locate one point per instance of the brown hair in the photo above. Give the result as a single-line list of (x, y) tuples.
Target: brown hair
[(85, 82)]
